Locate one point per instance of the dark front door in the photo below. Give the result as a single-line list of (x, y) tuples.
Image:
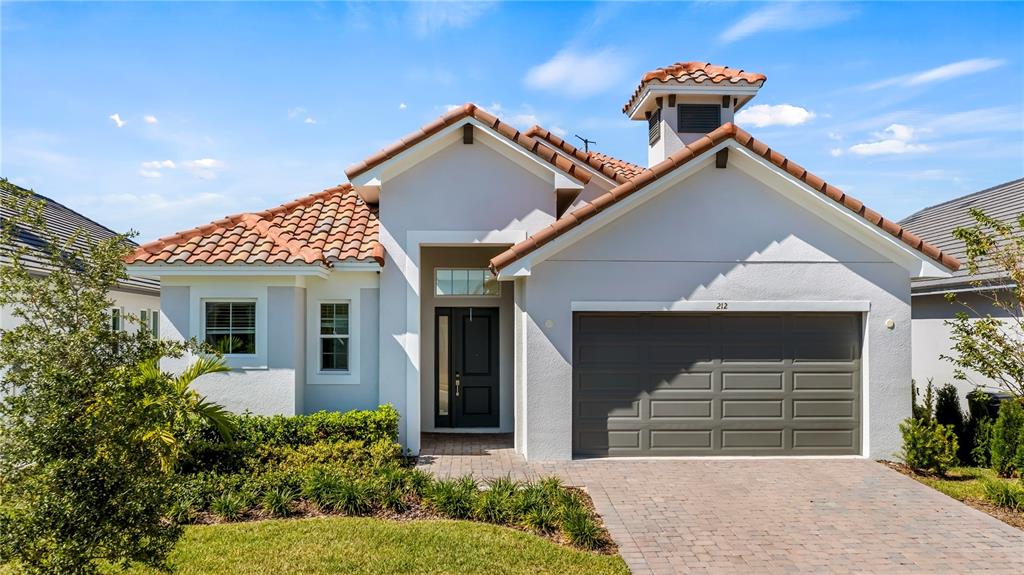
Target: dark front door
[(466, 367)]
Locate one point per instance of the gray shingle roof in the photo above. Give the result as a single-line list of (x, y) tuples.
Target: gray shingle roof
[(63, 222), (936, 224)]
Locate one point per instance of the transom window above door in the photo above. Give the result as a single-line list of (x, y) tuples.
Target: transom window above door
[(231, 326), (465, 282)]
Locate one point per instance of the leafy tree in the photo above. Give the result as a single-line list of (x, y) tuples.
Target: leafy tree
[(989, 346), (89, 428)]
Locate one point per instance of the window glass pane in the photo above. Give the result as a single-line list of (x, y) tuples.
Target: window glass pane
[(333, 353), (442, 365), (154, 322), (476, 282), (444, 282), (491, 286), (115, 319), (334, 319), (460, 282), (231, 326)]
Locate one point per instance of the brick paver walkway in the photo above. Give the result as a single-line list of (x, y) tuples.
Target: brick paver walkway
[(760, 516)]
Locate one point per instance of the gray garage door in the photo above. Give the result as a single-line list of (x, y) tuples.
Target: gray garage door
[(716, 384)]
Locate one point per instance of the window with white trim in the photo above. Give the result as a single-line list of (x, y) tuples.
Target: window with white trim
[(465, 282), (116, 319), (230, 326), (334, 336), (150, 320)]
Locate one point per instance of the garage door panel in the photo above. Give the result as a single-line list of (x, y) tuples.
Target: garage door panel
[(748, 408), (680, 408), (752, 381), (701, 384), (680, 381)]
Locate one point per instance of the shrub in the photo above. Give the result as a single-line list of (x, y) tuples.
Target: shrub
[(277, 501), (1004, 493), (319, 484), (981, 452), (1007, 439), (542, 519), (552, 488), (454, 498), (418, 482), (948, 412), (390, 487), (580, 527), (351, 496), (498, 503), (183, 511), (928, 445), (925, 410), (228, 506)]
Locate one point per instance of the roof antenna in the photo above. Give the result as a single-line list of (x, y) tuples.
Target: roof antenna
[(586, 142)]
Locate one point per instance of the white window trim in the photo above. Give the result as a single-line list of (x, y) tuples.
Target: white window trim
[(120, 318), (147, 324), (462, 296), (320, 337), (199, 295)]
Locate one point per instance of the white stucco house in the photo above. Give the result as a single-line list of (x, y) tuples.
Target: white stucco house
[(722, 300), (931, 310), (137, 297)]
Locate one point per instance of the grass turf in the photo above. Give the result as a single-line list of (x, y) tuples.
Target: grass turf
[(366, 545), (961, 482)]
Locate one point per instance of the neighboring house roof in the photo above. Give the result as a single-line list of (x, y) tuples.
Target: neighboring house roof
[(695, 73), (618, 170), (331, 226), (936, 224), (470, 110), (691, 151), (64, 222)]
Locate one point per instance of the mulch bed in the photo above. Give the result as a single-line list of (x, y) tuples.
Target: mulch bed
[(1009, 516), (417, 511)]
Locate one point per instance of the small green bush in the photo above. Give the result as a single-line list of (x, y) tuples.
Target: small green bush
[(498, 503), (418, 482), (183, 511), (1004, 493), (924, 410), (228, 506), (580, 527), (543, 519), (277, 501), (981, 451), (454, 498), (351, 496), (928, 445), (319, 485), (1007, 439)]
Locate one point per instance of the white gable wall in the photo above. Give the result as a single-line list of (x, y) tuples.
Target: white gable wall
[(464, 193), (719, 235)]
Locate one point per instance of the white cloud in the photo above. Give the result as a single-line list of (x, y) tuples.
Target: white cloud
[(149, 119), (309, 120), (894, 140), (430, 17), (764, 115), (296, 112), (940, 73), (785, 16), (117, 120), (402, 106), (157, 164), (205, 168), (836, 152), (150, 174), (578, 75), (559, 131)]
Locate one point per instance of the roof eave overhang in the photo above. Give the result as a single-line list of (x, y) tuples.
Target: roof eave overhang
[(226, 270), (645, 101), (916, 264), (369, 182)]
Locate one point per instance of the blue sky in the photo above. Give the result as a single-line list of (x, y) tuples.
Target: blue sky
[(163, 116)]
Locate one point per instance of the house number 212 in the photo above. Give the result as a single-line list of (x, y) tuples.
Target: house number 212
[(722, 305)]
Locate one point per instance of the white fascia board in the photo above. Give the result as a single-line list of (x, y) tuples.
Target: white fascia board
[(522, 266), (916, 263), (355, 267), (224, 270), (380, 174), (652, 91), (724, 306)]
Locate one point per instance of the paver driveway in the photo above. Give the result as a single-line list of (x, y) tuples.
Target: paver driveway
[(761, 516)]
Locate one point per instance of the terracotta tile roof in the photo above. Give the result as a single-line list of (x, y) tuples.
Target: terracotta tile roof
[(455, 116), (695, 73), (615, 169), (691, 151), (330, 226)]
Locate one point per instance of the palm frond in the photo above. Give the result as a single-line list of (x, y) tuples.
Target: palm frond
[(203, 365)]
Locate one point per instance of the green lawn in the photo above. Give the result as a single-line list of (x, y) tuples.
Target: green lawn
[(961, 482), (363, 545)]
